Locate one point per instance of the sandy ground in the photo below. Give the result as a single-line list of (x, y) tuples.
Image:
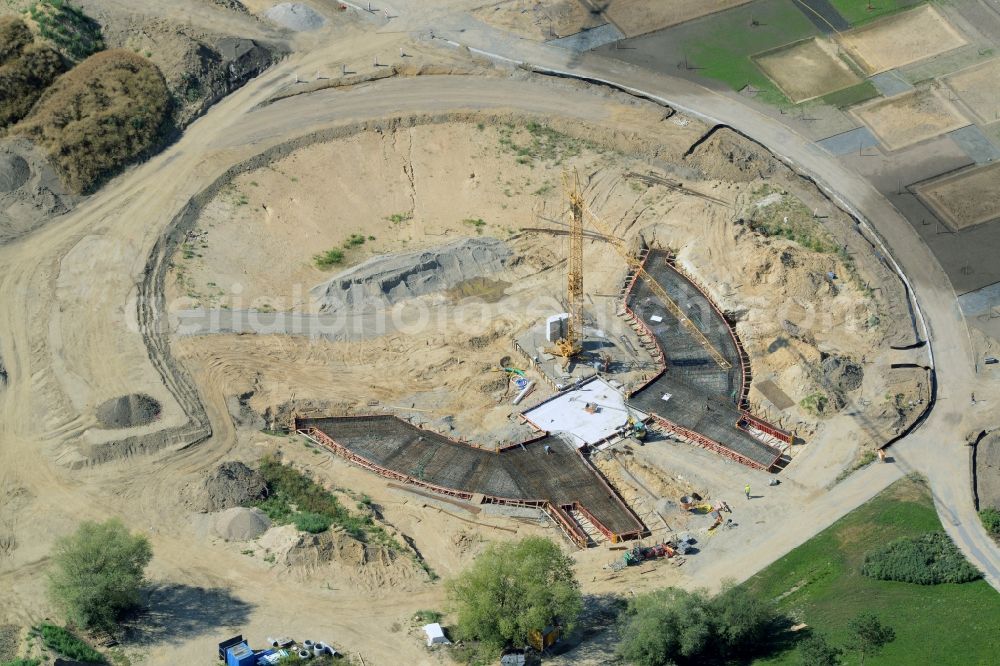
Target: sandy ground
[(965, 199), (537, 19), (69, 341), (976, 87), (637, 17), (910, 118), (807, 69), (902, 39)]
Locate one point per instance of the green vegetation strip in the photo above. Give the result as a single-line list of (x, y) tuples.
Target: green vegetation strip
[(297, 499), (67, 644), (821, 583), (857, 12)]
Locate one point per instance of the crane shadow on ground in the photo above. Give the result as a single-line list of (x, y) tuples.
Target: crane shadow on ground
[(173, 611)]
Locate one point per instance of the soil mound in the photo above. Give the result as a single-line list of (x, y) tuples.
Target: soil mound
[(128, 411), (388, 279), (14, 172), (725, 155), (241, 524), (842, 374), (295, 16), (233, 484)]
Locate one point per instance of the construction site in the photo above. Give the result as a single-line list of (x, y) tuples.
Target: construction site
[(483, 273)]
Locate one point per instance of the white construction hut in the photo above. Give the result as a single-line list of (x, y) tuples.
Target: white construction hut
[(435, 635)]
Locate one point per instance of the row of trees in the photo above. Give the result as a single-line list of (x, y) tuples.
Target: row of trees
[(513, 588)]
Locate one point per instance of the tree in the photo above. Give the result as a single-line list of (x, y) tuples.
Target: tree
[(742, 621), (514, 588), (664, 626), (817, 651), (98, 573), (869, 634)]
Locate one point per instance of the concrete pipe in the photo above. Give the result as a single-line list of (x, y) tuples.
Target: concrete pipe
[(305, 654), (308, 644)]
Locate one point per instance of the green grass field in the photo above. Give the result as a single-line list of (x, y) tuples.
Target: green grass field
[(856, 11), (721, 46), (820, 583)]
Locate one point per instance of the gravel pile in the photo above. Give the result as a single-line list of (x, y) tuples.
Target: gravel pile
[(388, 279), (233, 484), (128, 411), (241, 524), (295, 16), (14, 172)]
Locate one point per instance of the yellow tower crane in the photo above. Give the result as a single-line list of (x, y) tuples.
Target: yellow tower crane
[(570, 344)]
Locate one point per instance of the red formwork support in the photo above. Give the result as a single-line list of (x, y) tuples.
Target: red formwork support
[(711, 444), (766, 427), (568, 525)]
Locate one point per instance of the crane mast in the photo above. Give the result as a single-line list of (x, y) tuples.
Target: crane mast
[(571, 343)]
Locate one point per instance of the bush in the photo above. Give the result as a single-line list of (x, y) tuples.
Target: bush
[(22, 662), (676, 626), (329, 258), (928, 559), (512, 589), (991, 520), (97, 573), (26, 70), (314, 523), (428, 616), (72, 32), (67, 644), (103, 114)]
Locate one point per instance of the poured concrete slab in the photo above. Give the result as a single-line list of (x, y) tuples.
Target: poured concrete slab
[(568, 414), (890, 83), (853, 141), (976, 144)]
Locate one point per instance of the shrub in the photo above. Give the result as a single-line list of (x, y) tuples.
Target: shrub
[(68, 28), (815, 650), (428, 616), (98, 573), (22, 662), (673, 625), (67, 644), (314, 523), (329, 258), (103, 114), (991, 520), (927, 559), (26, 70)]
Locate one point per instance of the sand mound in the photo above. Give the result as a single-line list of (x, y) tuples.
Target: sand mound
[(295, 16), (388, 279), (233, 484), (14, 172), (241, 524), (725, 155), (128, 411)]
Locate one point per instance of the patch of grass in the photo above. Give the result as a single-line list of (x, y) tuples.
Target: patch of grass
[(814, 403), (105, 113), (789, 218), (990, 517), (821, 584), (399, 218), (865, 459), (721, 47), (329, 258), (475, 223), (862, 92), (856, 12), (74, 34), (314, 523), (927, 559), (67, 644), (22, 662), (354, 240), (427, 616), (536, 142)]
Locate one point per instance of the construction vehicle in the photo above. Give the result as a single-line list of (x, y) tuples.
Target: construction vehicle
[(571, 343), (640, 554)]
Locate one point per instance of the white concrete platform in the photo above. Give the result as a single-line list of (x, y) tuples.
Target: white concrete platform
[(568, 413)]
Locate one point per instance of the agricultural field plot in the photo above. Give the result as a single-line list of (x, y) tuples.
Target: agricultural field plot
[(637, 17), (901, 39), (964, 199), (977, 87), (910, 118), (807, 69), (536, 20)]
